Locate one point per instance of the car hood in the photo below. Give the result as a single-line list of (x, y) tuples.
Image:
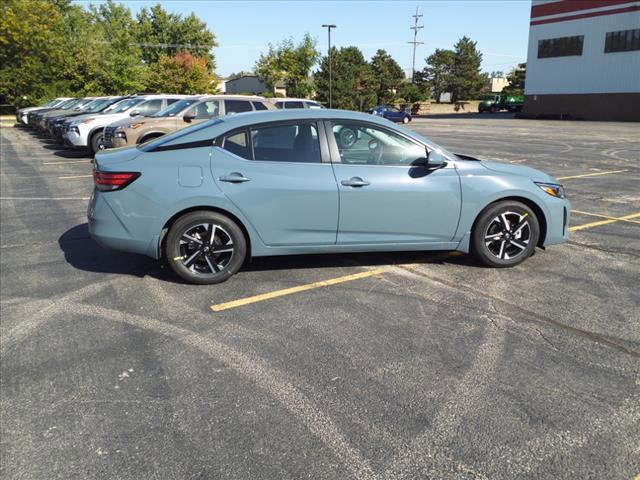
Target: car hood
[(519, 170)]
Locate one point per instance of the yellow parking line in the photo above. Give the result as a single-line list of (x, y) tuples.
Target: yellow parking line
[(597, 174), (75, 176), (603, 216), (288, 291), (603, 222), (63, 163)]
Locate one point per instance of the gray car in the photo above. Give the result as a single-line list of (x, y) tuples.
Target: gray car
[(291, 182)]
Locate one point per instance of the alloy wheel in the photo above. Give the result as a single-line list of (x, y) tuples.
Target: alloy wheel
[(507, 235), (206, 248)]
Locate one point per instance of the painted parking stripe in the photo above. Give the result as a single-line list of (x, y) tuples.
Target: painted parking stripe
[(301, 288), (597, 174), (599, 215), (75, 176), (604, 222)]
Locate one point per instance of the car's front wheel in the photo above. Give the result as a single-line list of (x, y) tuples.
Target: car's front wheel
[(205, 247), (96, 142), (505, 234), (405, 120)]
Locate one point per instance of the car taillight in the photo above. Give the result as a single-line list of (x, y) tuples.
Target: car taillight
[(110, 181)]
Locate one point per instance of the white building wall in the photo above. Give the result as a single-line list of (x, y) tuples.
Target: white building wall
[(594, 71)]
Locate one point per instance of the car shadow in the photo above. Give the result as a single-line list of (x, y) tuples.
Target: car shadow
[(69, 153), (83, 253)]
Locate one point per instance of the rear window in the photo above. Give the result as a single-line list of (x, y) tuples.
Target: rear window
[(237, 106), (259, 106), (293, 105)]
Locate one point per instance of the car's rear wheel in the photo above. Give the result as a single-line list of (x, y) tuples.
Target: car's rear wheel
[(405, 120), (96, 143), (205, 247), (505, 234)]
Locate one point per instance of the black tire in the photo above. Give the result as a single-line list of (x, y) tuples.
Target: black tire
[(96, 142), (193, 261), (492, 110), (500, 244)]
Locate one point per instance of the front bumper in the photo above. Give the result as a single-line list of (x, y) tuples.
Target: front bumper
[(75, 139), (558, 217)]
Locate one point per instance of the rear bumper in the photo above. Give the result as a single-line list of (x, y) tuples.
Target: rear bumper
[(108, 231)]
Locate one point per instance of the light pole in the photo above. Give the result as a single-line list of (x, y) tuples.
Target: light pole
[(329, 27)]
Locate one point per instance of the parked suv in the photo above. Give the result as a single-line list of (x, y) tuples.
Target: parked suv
[(87, 131), (179, 115), (55, 124), (38, 118), (21, 113), (287, 103)]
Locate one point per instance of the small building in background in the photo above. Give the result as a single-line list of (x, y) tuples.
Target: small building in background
[(252, 84), (583, 59)]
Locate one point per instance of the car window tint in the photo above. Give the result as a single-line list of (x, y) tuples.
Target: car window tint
[(371, 145), (259, 105), (237, 106), (171, 101), (279, 105), (206, 110), (237, 144), (294, 105), (312, 105), (286, 143), (149, 107)]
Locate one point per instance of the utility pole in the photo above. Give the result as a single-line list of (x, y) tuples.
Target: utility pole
[(329, 27), (415, 43)]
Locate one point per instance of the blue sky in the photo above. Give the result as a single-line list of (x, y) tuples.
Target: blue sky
[(245, 28)]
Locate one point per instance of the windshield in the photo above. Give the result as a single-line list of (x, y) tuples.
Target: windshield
[(83, 102), (93, 106), (125, 105), (69, 103), (176, 108)]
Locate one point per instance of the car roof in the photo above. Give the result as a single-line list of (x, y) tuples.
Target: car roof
[(291, 99), (301, 114)]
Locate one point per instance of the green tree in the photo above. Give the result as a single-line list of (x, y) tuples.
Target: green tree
[(354, 84), (159, 33), (411, 93), (31, 48), (389, 75), (438, 73), (466, 81), (181, 73), (516, 80), (290, 63), (120, 69)]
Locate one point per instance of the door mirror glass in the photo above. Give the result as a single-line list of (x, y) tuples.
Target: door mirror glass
[(134, 113), (435, 158)]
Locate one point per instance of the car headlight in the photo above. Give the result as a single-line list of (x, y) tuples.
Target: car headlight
[(553, 189)]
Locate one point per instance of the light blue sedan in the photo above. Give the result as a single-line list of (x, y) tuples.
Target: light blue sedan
[(314, 181)]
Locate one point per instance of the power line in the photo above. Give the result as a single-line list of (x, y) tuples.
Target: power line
[(415, 43)]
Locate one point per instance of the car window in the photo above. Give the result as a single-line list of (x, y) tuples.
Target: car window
[(206, 110), (313, 105), (238, 144), (372, 145), (176, 108), (286, 143), (125, 105), (237, 106), (149, 107), (294, 105), (171, 101), (279, 105), (259, 106)]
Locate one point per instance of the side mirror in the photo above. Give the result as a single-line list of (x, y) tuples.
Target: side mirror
[(134, 113), (189, 116), (435, 159)]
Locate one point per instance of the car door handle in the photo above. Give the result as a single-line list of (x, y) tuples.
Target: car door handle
[(355, 182), (234, 177)]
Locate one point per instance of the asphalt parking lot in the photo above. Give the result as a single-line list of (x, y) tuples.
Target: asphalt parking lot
[(395, 366)]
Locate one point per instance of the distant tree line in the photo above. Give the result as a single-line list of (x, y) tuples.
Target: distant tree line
[(51, 48)]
